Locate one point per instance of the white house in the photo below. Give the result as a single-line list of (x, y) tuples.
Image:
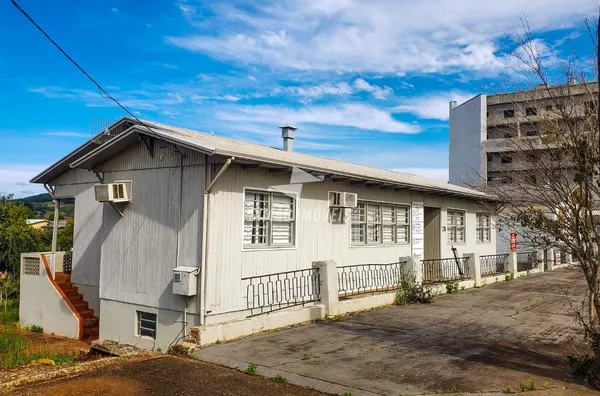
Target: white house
[(150, 198)]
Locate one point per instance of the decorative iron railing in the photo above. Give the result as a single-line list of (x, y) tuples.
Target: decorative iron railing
[(494, 264), (369, 278), (445, 269), (68, 262), (526, 261), (272, 292)]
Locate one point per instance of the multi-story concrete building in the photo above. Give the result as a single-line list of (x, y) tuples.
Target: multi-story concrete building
[(497, 138)]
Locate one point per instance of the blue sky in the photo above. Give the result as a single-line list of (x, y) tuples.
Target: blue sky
[(367, 82)]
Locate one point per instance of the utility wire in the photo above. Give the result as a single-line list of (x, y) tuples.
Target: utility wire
[(102, 91)]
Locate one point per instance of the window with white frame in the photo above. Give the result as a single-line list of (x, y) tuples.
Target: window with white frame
[(455, 225), (146, 324), (484, 227), (269, 219), (379, 223)]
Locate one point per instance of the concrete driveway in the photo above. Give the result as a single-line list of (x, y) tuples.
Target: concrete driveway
[(479, 340)]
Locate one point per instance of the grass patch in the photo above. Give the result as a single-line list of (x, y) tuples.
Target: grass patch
[(11, 316), (15, 350)]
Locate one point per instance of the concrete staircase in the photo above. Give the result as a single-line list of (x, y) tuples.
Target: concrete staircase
[(91, 322)]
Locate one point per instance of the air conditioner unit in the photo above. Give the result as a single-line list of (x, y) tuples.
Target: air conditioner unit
[(113, 192), (342, 199)]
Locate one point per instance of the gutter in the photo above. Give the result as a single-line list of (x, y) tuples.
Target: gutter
[(205, 236)]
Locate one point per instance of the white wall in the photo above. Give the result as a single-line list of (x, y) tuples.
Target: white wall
[(467, 132), (41, 304)]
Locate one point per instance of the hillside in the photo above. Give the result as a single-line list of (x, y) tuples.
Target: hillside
[(43, 206)]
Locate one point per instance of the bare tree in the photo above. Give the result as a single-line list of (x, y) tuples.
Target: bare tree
[(550, 147)]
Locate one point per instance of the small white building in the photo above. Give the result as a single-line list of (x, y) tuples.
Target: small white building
[(150, 198)]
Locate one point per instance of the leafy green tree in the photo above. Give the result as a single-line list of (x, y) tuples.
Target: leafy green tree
[(16, 236), (65, 237)]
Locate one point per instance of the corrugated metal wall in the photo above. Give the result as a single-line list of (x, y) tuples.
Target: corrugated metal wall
[(87, 235), (161, 227)]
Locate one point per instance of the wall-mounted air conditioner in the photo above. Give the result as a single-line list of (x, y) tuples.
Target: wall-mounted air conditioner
[(339, 199), (113, 192)]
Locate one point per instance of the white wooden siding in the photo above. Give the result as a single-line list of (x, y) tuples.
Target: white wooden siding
[(316, 238)]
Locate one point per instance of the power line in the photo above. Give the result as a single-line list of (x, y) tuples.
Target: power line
[(101, 90)]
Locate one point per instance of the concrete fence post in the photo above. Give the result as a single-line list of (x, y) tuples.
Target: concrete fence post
[(329, 286), (412, 269), (474, 267), (539, 260), (550, 258), (512, 264)]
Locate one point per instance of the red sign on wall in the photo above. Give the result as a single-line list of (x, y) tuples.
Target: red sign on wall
[(513, 241)]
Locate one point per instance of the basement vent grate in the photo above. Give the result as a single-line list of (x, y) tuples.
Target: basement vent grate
[(31, 266)]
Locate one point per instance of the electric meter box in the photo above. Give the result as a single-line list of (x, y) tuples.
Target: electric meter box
[(185, 281)]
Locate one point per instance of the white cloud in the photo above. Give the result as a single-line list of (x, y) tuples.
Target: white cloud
[(434, 105), (353, 115), (386, 36), (377, 91), (317, 91), (14, 179)]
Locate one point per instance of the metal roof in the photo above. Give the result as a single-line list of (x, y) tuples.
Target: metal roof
[(246, 152)]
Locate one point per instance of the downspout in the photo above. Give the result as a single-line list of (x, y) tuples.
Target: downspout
[(205, 237)]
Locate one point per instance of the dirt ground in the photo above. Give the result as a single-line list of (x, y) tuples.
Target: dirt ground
[(165, 375), (479, 340)]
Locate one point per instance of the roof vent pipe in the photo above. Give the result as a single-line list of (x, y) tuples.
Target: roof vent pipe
[(572, 81), (287, 134)]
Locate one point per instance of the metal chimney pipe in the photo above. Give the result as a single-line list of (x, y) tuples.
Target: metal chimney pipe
[(288, 132)]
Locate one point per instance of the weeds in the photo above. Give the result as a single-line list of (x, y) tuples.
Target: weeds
[(451, 287), (335, 318), (35, 329), (509, 389), (412, 293), (510, 276), (453, 389), (305, 357), (279, 379), (218, 342), (251, 369), (348, 394), (527, 385)]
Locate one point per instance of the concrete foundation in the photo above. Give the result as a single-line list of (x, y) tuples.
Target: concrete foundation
[(119, 323)]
